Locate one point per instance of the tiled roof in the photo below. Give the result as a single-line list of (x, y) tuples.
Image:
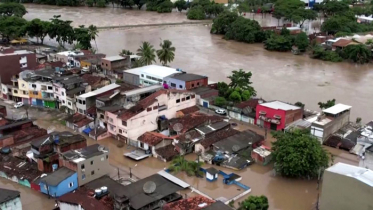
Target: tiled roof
[(193, 203), (83, 122), (194, 120), (82, 197), (167, 152), (3, 121), (190, 110), (91, 79), (249, 103), (75, 118), (152, 138), (342, 43), (91, 110), (218, 136), (339, 142), (193, 134)]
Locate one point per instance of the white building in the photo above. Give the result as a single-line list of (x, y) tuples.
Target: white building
[(152, 74), (10, 200)]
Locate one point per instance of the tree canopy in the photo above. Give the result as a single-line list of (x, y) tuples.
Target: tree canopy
[(297, 154), (254, 203), (37, 28), (61, 30), (12, 27), (243, 30), (327, 104), (167, 52), (180, 5), (301, 41), (12, 9), (358, 53), (293, 10), (241, 79), (147, 53), (222, 22), (278, 43)]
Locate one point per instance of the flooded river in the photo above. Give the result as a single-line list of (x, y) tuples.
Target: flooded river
[(276, 75)]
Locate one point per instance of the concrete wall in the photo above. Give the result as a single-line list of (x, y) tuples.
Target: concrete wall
[(333, 126), (196, 83), (14, 204), (67, 206), (99, 168), (178, 84), (341, 192), (6, 141), (133, 79)]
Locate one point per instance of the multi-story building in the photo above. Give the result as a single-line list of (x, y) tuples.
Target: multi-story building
[(346, 187), (88, 100), (76, 60), (64, 56), (90, 162), (146, 114), (276, 115), (148, 75), (185, 81), (331, 120), (112, 63)]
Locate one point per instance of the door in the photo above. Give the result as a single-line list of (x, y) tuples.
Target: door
[(25, 101), (273, 126), (39, 102), (206, 104)]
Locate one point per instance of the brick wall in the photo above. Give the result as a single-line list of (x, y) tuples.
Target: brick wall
[(7, 141)]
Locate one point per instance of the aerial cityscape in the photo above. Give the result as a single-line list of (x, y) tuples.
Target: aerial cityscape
[(186, 105)]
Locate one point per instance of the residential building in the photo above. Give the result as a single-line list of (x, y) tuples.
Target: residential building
[(261, 155), (192, 203), (23, 87), (12, 63), (245, 111), (276, 115), (147, 114), (331, 120), (112, 63), (90, 163), (79, 123), (150, 141), (88, 100), (76, 60), (367, 159), (346, 187), (186, 81), (10, 199), (205, 95), (95, 82), (46, 149), (82, 199), (148, 75), (60, 182), (66, 56)]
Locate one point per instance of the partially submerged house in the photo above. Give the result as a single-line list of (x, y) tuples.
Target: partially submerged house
[(10, 199), (60, 182), (193, 203), (79, 123), (245, 111)]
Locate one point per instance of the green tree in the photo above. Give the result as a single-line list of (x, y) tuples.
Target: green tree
[(246, 95), (301, 41), (220, 101), (93, 33), (358, 53), (241, 79), (223, 88), (101, 3), (222, 22), (12, 27), (369, 43), (147, 53), (125, 52), (191, 168), (278, 43), (167, 52), (196, 13), (127, 3), (83, 37), (254, 203), (235, 96), (180, 5), (140, 3), (327, 104), (297, 154), (165, 7), (299, 104), (61, 30), (319, 52), (213, 9), (37, 28), (243, 30), (12, 9), (332, 7)]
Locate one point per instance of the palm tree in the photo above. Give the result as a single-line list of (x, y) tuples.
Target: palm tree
[(167, 53), (358, 53), (147, 53), (93, 33), (125, 52)]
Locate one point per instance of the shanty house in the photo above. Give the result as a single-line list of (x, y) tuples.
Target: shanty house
[(60, 182)]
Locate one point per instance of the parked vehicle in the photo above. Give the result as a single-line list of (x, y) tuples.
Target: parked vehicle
[(18, 105), (220, 111)]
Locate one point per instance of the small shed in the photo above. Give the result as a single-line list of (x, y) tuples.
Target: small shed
[(212, 174), (261, 155)]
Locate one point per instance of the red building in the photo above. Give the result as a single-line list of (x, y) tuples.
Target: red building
[(276, 115)]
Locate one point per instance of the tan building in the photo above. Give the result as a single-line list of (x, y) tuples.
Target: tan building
[(347, 187), (90, 162), (110, 64)]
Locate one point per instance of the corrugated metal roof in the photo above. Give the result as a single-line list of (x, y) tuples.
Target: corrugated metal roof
[(338, 108), (173, 179)]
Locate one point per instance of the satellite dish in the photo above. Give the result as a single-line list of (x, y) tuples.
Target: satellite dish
[(149, 187), (235, 148), (178, 127)]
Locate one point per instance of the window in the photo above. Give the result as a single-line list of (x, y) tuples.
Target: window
[(71, 184), (24, 92), (84, 111), (56, 89), (149, 109), (173, 85), (120, 130), (148, 77), (102, 64), (63, 101), (33, 86), (187, 98), (142, 75), (193, 85), (82, 166), (178, 101), (91, 162), (106, 64), (15, 91), (124, 123), (183, 99), (50, 88), (141, 145), (197, 83), (83, 102), (35, 92), (193, 96), (180, 86), (155, 107), (83, 176), (92, 172), (80, 110), (69, 103), (62, 93)]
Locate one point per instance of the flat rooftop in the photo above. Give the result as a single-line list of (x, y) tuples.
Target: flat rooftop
[(187, 77), (338, 108), (153, 70), (361, 174), (279, 105), (99, 91), (84, 153), (143, 90), (114, 58)]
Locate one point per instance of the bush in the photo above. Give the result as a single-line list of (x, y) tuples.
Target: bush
[(180, 5), (235, 97), (301, 41), (246, 95), (90, 3), (222, 22), (196, 13), (243, 30), (165, 7), (278, 43), (319, 52), (220, 101), (101, 3)]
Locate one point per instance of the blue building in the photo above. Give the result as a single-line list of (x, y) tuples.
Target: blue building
[(60, 182), (212, 174)]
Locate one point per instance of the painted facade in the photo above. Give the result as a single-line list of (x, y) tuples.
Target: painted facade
[(66, 186)]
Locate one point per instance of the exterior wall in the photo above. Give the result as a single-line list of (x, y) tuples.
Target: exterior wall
[(10, 65), (60, 57), (341, 192), (112, 65), (62, 188), (286, 116), (196, 83), (112, 123), (331, 127), (100, 167), (14, 204), (60, 93), (133, 79), (7, 141), (367, 162), (67, 206), (175, 83), (293, 115), (85, 64)]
